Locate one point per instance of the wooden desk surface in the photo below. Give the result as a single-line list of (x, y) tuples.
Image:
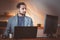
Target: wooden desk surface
[(33, 39)]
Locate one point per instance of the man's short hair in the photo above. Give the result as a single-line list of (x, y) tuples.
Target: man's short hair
[(21, 3)]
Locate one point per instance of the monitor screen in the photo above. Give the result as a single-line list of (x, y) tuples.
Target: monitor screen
[(51, 24)]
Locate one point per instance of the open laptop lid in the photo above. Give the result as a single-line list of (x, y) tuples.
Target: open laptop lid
[(25, 32)]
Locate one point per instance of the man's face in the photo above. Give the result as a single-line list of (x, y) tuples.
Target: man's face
[(22, 9)]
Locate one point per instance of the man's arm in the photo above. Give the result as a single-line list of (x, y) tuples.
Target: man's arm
[(31, 24), (7, 28)]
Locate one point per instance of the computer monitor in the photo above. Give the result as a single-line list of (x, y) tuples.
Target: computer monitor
[(51, 24), (25, 32)]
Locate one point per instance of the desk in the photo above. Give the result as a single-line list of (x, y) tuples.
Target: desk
[(39, 32), (33, 39)]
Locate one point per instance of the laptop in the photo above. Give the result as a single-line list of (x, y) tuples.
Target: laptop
[(25, 32)]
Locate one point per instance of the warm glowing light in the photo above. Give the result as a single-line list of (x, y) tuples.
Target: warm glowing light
[(33, 12)]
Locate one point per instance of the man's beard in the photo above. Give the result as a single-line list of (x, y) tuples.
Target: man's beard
[(22, 14)]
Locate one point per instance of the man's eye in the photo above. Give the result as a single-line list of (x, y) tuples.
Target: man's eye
[(23, 8)]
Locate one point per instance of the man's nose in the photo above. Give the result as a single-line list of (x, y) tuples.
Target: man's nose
[(24, 9)]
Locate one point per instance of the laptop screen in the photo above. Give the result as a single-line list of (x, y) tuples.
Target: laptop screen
[(25, 32)]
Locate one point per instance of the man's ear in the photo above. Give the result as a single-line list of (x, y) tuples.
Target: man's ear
[(18, 10)]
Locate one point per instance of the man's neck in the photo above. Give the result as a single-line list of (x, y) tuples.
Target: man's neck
[(21, 15)]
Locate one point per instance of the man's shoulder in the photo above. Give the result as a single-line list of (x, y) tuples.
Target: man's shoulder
[(11, 18), (28, 17)]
